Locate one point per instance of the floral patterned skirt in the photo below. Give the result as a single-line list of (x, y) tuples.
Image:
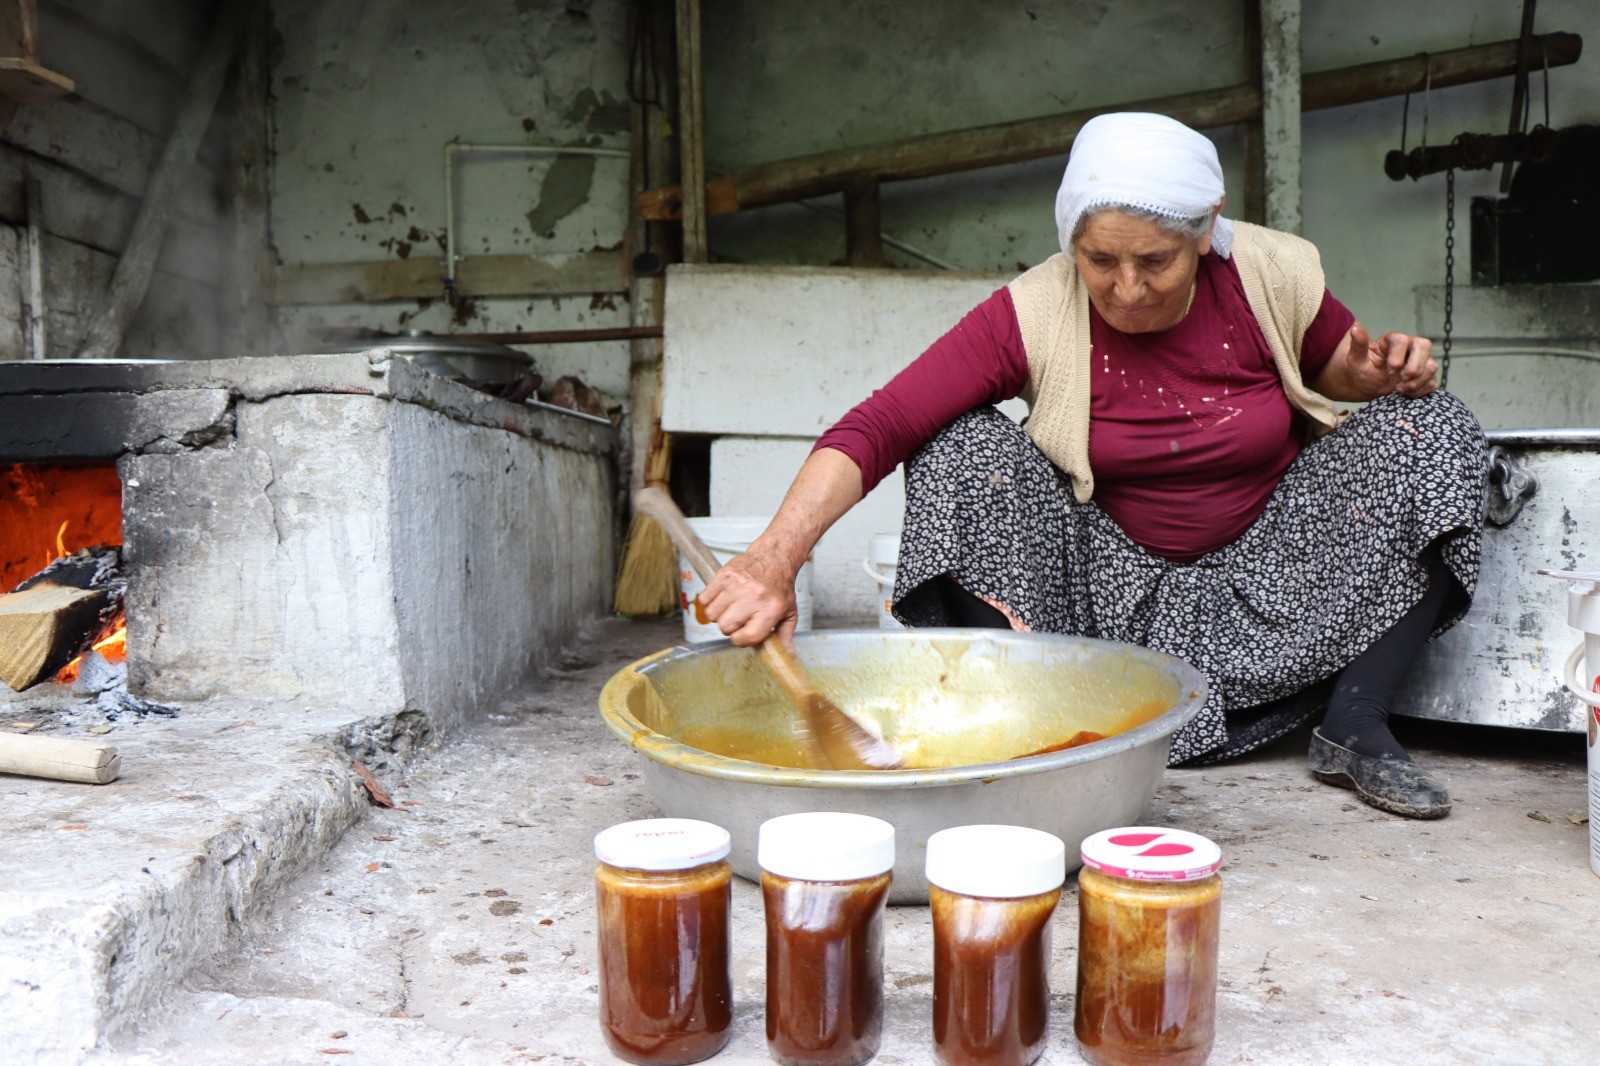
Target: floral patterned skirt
[(1334, 560)]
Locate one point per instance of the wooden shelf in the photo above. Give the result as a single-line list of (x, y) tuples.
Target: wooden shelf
[(25, 82)]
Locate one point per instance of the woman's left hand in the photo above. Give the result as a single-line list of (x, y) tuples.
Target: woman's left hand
[(1396, 363)]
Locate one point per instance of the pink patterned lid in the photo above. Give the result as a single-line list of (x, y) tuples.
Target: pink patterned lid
[(1150, 853)]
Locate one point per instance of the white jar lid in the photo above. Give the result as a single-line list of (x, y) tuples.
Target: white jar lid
[(662, 844), (996, 861), (825, 846), (1149, 853)]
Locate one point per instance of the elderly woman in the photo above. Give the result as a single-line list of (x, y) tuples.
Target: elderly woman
[(1184, 480)]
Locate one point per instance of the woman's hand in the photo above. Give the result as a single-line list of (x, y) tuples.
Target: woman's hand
[(752, 597), (1361, 370)]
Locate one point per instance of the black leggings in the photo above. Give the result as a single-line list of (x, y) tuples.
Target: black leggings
[(1358, 712)]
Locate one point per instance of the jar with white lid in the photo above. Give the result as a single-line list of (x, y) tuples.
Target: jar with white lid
[(825, 881), (663, 892), (1149, 913), (992, 890)]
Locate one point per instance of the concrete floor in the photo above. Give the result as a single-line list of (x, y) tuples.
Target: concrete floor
[(458, 928)]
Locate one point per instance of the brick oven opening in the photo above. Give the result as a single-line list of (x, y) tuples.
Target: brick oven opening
[(52, 515)]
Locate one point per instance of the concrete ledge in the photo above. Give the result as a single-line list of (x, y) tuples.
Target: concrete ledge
[(373, 373), (109, 894)]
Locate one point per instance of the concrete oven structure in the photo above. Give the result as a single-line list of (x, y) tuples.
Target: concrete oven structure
[(329, 558), (344, 528)]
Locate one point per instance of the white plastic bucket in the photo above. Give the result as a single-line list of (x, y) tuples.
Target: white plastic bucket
[(727, 537), (883, 558), (1581, 674)]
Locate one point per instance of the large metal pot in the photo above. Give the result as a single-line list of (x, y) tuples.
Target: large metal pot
[(961, 702), (447, 356), (1499, 665)]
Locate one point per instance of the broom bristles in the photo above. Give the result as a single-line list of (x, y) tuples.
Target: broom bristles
[(647, 582)]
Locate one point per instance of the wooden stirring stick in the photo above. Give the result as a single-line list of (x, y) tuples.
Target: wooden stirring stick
[(840, 742)]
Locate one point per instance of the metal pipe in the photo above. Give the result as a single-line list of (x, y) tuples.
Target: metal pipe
[(451, 149)]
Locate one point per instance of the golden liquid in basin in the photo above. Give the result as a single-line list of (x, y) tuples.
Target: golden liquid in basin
[(940, 704)]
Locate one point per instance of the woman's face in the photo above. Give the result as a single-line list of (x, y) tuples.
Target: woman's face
[(1139, 272)]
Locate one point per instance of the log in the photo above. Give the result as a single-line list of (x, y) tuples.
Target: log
[(56, 615), (44, 629), (1014, 142), (64, 760)]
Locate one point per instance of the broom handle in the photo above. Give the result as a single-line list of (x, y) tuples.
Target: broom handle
[(658, 505)]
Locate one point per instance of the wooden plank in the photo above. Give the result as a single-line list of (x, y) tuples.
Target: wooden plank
[(110, 70), (1253, 207), (82, 210), (171, 30), (108, 149), (482, 275), (1014, 142), (136, 265), (26, 82), (178, 320), (19, 28), (691, 129)]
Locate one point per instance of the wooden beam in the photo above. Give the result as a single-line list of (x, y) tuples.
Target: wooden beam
[(1014, 142), (19, 28), (22, 78), (863, 226), (1280, 112), (1253, 208), (568, 336), (136, 266), (482, 275), (691, 132)]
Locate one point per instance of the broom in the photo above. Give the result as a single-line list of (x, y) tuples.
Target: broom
[(647, 580)]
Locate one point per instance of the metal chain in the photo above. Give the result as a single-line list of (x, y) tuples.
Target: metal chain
[(1449, 272)]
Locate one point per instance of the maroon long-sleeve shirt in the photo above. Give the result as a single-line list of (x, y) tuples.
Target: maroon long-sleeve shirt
[(1189, 428)]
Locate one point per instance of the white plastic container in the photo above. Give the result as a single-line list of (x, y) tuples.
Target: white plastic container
[(727, 537), (1581, 675), (883, 559)]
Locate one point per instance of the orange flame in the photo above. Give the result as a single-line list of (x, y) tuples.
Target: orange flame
[(113, 647)]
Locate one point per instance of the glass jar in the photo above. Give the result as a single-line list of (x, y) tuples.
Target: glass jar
[(1149, 907), (663, 891), (825, 880), (993, 890)]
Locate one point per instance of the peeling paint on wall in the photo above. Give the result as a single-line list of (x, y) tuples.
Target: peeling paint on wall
[(565, 188)]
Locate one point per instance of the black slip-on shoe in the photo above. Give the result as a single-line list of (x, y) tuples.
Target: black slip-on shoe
[(1392, 785)]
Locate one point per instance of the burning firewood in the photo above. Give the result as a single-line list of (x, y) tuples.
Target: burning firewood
[(58, 614)]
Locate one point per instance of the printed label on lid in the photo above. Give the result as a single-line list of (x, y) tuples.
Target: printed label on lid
[(1146, 853)]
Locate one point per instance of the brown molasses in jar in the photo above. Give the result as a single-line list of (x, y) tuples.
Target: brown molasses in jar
[(1149, 910), (663, 891), (825, 880), (993, 890)]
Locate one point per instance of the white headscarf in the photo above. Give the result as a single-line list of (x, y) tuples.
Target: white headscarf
[(1136, 159)]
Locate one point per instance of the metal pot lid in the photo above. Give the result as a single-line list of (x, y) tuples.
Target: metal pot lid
[(417, 342)]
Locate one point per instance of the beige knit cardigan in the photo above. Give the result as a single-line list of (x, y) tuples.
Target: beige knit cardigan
[(1283, 281)]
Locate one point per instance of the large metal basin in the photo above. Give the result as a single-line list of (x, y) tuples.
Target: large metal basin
[(958, 703)]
